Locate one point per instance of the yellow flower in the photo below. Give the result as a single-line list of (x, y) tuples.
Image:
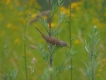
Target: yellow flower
[(72, 14), (104, 61), (9, 25), (105, 14), (7, 2), (17, 41), (62, 9), (100, 70), (97, 75), (73, 5), (33, 15), (67, 11), (96, 20), (76, 41), (52, 25)]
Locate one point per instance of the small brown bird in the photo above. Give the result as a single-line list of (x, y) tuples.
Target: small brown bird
[(53, 41), (44, 13)]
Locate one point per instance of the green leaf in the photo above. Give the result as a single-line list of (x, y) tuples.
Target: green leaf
[(44, 23), (68, 67)]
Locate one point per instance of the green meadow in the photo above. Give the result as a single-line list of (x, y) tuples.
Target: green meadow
[(13, 21)]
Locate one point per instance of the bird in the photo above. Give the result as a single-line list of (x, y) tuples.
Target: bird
[(40, 15), (53, 40)]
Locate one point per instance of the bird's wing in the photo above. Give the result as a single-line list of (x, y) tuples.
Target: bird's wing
[(53, 40)]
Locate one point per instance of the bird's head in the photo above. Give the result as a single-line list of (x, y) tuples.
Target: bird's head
[(64, 44)]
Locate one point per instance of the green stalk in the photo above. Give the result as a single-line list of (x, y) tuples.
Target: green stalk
[(25, 52), (51, 55), (70, 39), (25, 33)]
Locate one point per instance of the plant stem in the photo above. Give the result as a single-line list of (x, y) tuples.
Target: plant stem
[(50, 18), (3, 62), (51, 64), (25, 33), (49, 7), (70, 38), (25, 52), (92, 72)]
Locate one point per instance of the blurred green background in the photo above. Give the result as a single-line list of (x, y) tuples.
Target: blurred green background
[(85, 13)]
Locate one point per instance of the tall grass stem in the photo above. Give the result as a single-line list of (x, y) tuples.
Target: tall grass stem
[(51, 55), (25, 33), (71, 72)]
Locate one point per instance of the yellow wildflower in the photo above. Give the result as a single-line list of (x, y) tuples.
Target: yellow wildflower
[(67, 11), (17, 41), (105, 14), (97, 75), (53, 25), (103, 66), (100, 70), (73, 5), (9, 25), (33, 15), (7, 2), (72, 14), (76, 41), (104, 61), (96, 20), (62, 9)]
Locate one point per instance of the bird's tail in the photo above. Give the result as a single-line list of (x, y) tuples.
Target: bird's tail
[(39, 31)]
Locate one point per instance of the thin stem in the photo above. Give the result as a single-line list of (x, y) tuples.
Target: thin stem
[(3, 62), (92, 56), (70, 38), (50, 18), (25, 53), (25, 33), (92, 72)]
